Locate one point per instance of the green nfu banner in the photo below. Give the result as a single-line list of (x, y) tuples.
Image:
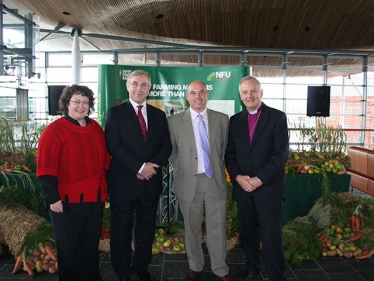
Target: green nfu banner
[(169, 85)]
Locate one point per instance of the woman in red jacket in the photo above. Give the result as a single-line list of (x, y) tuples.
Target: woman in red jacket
[(72, 159)]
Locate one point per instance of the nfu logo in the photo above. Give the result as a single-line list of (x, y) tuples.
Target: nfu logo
[(219, 75)]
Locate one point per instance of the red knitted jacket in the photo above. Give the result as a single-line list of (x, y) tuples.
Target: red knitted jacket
[(77, 156)]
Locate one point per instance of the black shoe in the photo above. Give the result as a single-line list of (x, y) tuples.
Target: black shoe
[(248, 276), (144, 276)]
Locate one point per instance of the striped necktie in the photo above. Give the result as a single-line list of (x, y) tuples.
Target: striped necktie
[(143, 126)]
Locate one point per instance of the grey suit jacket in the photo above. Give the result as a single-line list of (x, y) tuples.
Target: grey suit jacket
[(184, 155)]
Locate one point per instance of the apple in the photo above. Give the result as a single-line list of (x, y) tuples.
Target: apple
[(182, 245), (177, 248), (156, 250), (166, 244), (311, 171), (161, 239)]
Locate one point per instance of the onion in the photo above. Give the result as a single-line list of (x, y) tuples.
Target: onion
[(52, 270)]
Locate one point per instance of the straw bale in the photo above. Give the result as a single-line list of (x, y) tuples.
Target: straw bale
[(232, 242), (16, 224), (104, 245)]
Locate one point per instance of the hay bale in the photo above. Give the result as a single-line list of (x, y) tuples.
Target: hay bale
[(104, 245), (16, 224)]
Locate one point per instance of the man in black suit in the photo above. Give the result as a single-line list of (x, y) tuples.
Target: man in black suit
[(256, 153), (137, 138)]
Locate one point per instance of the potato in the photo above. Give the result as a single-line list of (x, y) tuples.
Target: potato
[(328, 242), (340, 252), (332, 253), (356, 252), (39, 266)]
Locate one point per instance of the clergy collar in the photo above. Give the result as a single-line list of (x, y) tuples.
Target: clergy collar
[(258, 109)]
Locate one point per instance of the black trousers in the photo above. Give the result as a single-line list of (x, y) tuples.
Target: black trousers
[(77, 242), (262, 222), (122, 222)]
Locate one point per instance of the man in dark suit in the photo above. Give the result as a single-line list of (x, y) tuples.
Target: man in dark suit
[(137, 138), (197, 190), (256, 153)]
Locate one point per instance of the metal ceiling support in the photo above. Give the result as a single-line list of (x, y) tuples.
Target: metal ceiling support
[(29, 38), (76, 56), (57, 28), (15, 14), (90, 43), (22, 96)]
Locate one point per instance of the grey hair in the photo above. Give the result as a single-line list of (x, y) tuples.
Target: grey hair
[(250, 78), (139, 72)]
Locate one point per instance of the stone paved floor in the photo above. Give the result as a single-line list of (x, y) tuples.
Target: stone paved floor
[(174, 267)]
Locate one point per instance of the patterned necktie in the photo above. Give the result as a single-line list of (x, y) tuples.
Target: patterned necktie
[(205, 147), (143, 126)]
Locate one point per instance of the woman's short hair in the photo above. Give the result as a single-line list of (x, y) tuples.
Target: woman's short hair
[(69, 91)]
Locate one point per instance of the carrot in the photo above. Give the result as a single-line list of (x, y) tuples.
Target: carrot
[(363, 255), (353, 221), (28, 269), (321, 238), (356, 237), (324, 240), (25, 168), (19, 263), (50, 252), (299, 168), (358, 225)]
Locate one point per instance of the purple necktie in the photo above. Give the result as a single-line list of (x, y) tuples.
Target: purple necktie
[(205, 147), (143, 126)]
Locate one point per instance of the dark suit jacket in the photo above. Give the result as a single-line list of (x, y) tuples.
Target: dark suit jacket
[(129, 151), (264, 157)]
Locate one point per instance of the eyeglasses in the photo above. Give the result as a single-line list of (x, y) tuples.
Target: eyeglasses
[(136, 85), (78, 102)]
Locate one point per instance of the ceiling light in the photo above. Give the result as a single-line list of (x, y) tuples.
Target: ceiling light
[(159, 16), (66, 13)]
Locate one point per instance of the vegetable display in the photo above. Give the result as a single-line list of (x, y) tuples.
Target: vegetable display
[(340, 225), (28, 236)]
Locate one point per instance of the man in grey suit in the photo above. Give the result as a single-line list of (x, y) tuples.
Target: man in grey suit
[(199, 181)]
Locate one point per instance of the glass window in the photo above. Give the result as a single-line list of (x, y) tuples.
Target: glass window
[(57, 59), (95, 59)]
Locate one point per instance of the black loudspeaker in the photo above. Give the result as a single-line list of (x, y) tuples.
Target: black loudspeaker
[(54, 93), (318, 103)]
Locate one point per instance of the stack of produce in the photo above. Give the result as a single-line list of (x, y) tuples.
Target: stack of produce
[(168, 244), (340, 225), (28, 236)]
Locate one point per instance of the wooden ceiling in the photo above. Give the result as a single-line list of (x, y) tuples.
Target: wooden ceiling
[(252, 25)]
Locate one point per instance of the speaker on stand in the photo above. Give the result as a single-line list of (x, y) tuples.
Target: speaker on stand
[(54, 93), (318, 102)]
